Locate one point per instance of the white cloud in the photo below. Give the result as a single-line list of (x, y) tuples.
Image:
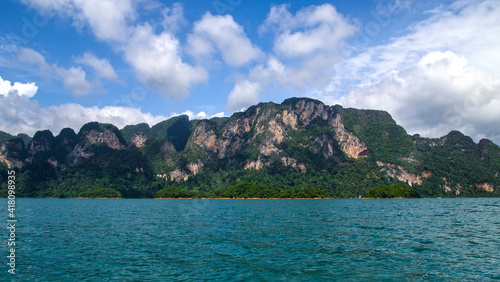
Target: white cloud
[(306, 47), (465, 27), (101, 66), (32, 57), (19, 114), (244, 94), (226, 35), (312, 30), (199, 115), (155, 57), (74, 78), (173, 17), (22, 89), (442, 75), (440, 93), (108, 19), (157, 62)]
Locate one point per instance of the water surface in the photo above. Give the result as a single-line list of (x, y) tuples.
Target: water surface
[(414, 239)]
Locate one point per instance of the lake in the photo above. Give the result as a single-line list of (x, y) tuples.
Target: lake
[(156, 240)]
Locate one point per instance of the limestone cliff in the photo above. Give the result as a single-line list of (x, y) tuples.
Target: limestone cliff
[(260, 134), (329, 147), (138, 140), (12, 152)]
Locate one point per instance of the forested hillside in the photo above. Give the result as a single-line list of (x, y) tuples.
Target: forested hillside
[(299, 147)]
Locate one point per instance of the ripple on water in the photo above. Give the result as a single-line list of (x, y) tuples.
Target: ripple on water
[(436, 239)]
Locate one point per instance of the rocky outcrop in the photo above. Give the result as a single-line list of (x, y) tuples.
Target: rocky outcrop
[(12, 153), (399, 173), (138, 140), (178, 175), (351, 145), (287, 161), (42, 142), (107, 137), (488, 187), (254, 164), (265, 126), (194, 167), (95, 134)]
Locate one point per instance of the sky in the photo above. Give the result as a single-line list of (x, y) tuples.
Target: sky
[(433, 65)]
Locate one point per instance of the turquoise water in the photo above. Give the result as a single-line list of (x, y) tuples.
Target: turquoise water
[(155, 240)]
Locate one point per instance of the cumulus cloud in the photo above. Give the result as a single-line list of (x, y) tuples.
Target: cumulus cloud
[(173, 17), (108, 20), (226, 35), (312, 30), (443, 74), (74, 78), (22, 89), (20, 114), (200, 115), (101, 66), (157, 62), (306, 47), (440, 93), (154, 56), (244, 94), (466, 27)]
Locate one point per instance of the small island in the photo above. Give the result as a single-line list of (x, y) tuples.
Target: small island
[(392, 191)]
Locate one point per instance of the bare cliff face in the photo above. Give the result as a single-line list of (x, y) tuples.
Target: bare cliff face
[(264, 129), (12, 152), (138, 140), (95, 136)]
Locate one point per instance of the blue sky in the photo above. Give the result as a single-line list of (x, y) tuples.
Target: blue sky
[(434, 65)]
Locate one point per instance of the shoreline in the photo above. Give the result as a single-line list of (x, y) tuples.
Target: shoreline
[(398, 198)]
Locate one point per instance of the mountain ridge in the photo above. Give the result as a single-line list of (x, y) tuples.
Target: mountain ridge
[(343, 151)]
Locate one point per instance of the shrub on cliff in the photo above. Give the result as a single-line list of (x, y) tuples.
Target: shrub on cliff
[(393, 191)]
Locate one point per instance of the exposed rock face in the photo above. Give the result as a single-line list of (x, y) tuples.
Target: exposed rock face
[(41, 142), (265, 128), (293, 163), (178, 175), (258, 164), (138, 140), (399, 173), (12, 153), (107, 137), (195, 168), (349, 143), (426, 174), (488, 187)]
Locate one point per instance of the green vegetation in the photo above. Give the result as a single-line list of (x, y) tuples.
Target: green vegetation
[(178, 133), (457, 162), (393, 191), (388, 141), (102, 193), (129, 130), (451, 166), (245, 190), (5, 136)]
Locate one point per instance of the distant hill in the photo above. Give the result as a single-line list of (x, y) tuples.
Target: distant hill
[(299, 144), (6, 136)]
